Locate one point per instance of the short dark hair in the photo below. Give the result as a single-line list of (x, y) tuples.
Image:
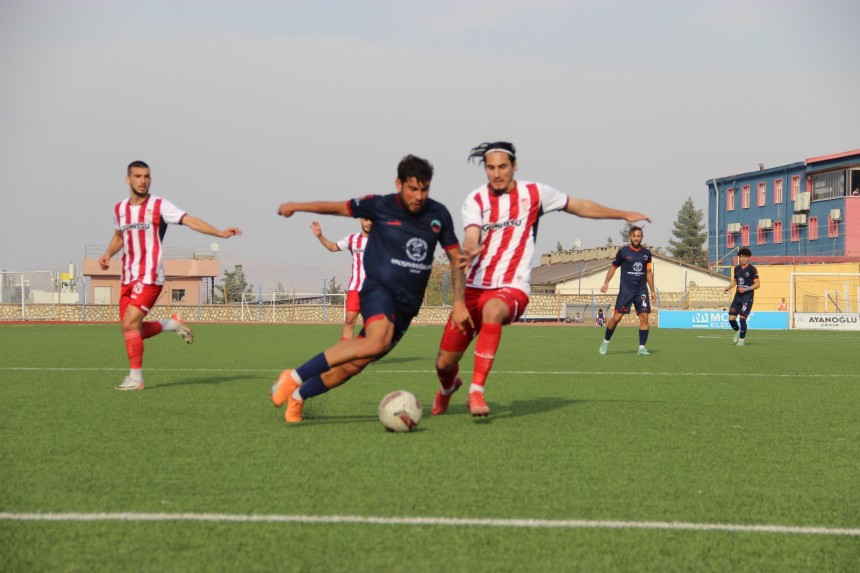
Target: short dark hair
[(744, 252), (136, 164), (480, 151), (634, 228), (411, 166)]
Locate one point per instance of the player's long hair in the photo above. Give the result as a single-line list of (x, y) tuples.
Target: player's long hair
[(480, 151), (411, 166)]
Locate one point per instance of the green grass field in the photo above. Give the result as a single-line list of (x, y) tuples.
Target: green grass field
[(701, 457)]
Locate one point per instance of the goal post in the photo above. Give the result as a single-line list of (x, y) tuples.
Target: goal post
[(825, 301)]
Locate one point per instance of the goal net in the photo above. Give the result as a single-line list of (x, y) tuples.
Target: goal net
[(822, 301)]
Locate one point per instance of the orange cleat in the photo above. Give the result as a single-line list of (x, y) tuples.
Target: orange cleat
[(477, 405), (441, 401), (293, 414), (183, 331), (282, 389)]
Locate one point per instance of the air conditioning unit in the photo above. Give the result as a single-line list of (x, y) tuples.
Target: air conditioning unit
[(836, 214), (799, 219), (801, 202), (733, 228), (765, 224)]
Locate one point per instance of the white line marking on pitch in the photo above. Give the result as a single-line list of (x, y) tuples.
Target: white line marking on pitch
[(382, 370), (442, 521)]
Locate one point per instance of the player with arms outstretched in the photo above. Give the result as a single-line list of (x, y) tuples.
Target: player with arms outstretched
[(355, 243), (398, 259), (634, 260), (140, 222), (501, 221)]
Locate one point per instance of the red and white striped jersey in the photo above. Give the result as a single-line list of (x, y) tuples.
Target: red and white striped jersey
[(508, 224), (355, 244), (143, 227)]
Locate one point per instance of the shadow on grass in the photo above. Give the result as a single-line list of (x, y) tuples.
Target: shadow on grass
[(200, 380), (397, 360)]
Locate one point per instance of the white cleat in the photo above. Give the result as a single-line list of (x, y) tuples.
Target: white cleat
[(736, 337), (129, 384), (742, 342), (183, 331), (604, 347)]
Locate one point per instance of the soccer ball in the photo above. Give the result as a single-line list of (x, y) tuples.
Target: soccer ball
[(400, 411)]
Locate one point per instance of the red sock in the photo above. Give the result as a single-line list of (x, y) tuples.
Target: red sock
[(134, 347), (150, 328), (485, 351), (446, 377)]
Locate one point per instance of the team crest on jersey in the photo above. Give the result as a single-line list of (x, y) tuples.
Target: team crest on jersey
[(637, 267), (436, 225), (416, 249)]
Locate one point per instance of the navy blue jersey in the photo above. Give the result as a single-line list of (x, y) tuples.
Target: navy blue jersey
[(745, 277), (634, 266), (399, 252)]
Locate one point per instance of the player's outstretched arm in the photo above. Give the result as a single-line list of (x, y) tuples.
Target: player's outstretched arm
[(320, 207), (328, 244), (591, 210), (459, 313), (114, 247), (201, 226)]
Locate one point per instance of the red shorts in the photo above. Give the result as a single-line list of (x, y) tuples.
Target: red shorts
[(516, 300), (140, 295), (353, 303)]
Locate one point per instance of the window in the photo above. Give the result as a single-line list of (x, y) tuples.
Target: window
[(832, 227), (812, 233), (177, 295), (828, 185), (730, 200), (777, 192), (745, 236), (795, 186), (761, 236), (762, 194), (794, 233), (777, 232), (730, 240), (101, 295), (745, 197)]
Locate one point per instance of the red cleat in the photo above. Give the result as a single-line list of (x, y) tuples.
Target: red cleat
[(477, 405), (441, 401)]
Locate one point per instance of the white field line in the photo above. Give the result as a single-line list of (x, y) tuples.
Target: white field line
[(379, 370), (439, 521)]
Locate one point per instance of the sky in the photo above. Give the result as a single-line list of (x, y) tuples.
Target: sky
[(240, 106)]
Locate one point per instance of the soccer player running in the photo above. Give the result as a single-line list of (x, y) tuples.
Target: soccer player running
[(139, 226), (745, 278), (355, 243), (407, 226), (500, 220), (636, 278)]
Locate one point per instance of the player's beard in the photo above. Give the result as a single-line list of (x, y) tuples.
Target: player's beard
[(140, 195)]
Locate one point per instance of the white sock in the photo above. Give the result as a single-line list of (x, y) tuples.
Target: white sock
[(169, 324), (136, 374), (297, 396), (476, 388), (295, 376)]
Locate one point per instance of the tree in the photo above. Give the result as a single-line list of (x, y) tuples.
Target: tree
[(558, 247), (689, 235), (333, 286), (609, 242), (233, 286)]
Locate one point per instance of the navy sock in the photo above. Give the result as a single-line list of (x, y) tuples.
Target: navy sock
[(643, 337), (743, 328), (316, 366), (313, 387), (734, 324), (609, 333)]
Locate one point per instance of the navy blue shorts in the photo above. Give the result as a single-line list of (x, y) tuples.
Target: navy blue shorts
[(377, 302), (627, 300), (741, 305)]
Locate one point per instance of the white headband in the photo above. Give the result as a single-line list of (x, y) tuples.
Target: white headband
[(498, 149)]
